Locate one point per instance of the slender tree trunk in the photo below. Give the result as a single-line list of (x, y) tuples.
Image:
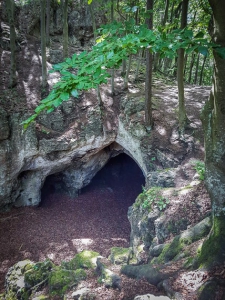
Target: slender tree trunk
[(94, 32), (202, 71), (166, 11), (191, 67), (185, 65), (124, 67), (113, 70), (11, 11), (196, 69), (43, 47), (93, 19), (180, 73), (48, 24), (149, 67), (65, 29), (126, 78), (165, 18), (140, 55)]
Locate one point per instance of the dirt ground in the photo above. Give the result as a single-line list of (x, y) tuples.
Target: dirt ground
[(97, 220)]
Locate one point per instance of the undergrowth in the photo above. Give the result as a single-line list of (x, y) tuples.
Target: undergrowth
[(152, 197)]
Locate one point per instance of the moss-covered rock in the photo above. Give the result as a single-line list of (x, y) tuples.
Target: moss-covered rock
[(38, 273), (151, 274), (60, 280), (106, 276), (85, 259), (15, 283), (213, 249), (172, 250), (119, 255)]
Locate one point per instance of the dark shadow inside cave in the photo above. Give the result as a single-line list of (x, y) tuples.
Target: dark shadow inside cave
[(121, 177)]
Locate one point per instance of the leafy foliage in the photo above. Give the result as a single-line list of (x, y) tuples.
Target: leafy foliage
[(89, 69), (153, 197), (200, 168)]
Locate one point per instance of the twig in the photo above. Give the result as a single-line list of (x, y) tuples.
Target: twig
[(40, 283)]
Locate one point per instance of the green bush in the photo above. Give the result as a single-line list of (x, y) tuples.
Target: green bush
[(200, 168), (152, 197)]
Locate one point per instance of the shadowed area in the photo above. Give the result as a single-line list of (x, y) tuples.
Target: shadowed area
[(63, 226)]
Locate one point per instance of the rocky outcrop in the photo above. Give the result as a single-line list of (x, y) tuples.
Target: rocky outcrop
[(75, 142)]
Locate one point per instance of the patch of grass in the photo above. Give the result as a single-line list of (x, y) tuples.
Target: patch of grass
[(152, 197), (199, 166)]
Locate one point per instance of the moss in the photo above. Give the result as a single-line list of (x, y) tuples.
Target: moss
[(188, 263), (60, 280), (10, 296), (213, 249), (85, 259), (2, 296), (37, 273), (171, 250), (119, 255)]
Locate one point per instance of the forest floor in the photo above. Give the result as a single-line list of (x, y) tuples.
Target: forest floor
[(96, 220)]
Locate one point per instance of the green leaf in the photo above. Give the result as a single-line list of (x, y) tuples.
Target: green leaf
[(40, 108), (203, 50), (57, 102), (89, 2), (75, 93), (65, 96), (80, 86), (50, 109), (57, 67), (27, 122), (199, 35)]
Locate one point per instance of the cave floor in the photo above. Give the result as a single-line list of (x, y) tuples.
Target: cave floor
[(62, 227)]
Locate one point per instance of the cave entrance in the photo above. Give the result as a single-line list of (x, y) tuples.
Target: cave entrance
[(121, 177), (97, 218)]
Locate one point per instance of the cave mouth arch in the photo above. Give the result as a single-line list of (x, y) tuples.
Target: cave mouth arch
[(97, 218), (120, 176)]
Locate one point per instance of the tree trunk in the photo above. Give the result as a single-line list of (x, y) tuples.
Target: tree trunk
[(148, 81), (213, 119), (65, 28), (196, 69), (202, 71), (10, 11), (113, 70), (139, 59), (191, 67), (126, 78), (48, 24), (43, 47), (180, 73)]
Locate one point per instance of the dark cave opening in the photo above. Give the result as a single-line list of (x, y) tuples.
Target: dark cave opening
[(121, 177)]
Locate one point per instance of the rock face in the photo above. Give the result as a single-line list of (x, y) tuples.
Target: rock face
[(75, 142)]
